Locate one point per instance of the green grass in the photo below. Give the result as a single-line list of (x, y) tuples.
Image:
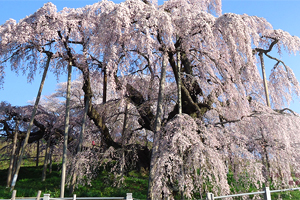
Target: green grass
[(29, 182), (238, 186), (135, 183)]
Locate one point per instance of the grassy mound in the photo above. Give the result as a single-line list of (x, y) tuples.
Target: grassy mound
[(29, 182)]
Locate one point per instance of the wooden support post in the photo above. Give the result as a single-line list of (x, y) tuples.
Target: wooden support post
[(74, 197), (210, 196), (25, 142), (67, 123), (264, 78), (13, 196), (129, 196), (13, 183), (179, 84), (38, 195), (267, 194)]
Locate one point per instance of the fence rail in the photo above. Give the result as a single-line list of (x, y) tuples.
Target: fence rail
[(47, 197), (210, 196), (87, 198), (7, 159), (267, 194), (238, 195)]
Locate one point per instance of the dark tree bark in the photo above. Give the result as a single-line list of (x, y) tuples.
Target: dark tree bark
[(37, 153), (145, 112), (50, 157), (93, 113), (47, 152)]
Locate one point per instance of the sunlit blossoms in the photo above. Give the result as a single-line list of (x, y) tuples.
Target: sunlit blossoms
[(226, 128)]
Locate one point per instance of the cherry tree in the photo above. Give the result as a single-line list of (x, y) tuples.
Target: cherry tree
[(14, 123), (227, 122)]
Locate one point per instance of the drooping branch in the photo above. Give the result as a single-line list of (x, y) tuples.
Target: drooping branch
[(42, 129), (280, 61), (282, 111), (275, 41)]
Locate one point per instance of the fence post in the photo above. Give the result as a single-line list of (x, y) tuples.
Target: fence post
[(129, 196), (46, 197), (210, 196), (13, 196), (38, 195), (74, 197), (267, 194)]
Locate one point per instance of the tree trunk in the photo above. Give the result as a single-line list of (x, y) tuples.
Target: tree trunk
[(153, 164), (265, 158), (74, 179), (104, 85), (37, 153), (67, 120), (12, 158), (125, 125), (17, 154), (31, 122), (46, 160), (86, 108), (50, 157), (93, 113), (104, 97)]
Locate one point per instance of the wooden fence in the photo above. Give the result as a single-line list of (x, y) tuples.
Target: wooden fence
[(47, 197), (210, 196), (267, 194)]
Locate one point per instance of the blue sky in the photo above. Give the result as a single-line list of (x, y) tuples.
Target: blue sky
[(282, 14)]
